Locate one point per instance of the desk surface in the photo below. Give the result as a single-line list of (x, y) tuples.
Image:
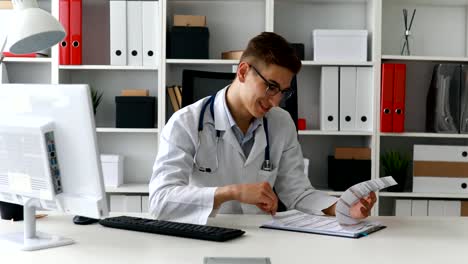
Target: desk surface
[(405, 240)]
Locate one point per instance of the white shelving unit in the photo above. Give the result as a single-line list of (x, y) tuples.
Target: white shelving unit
[(440, 36)]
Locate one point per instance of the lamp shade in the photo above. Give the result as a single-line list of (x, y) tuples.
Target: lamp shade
[(35, 29)]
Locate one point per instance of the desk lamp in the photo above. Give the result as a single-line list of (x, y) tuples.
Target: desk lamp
[(34, 29)]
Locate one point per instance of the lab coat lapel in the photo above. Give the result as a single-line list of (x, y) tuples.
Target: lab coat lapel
[(222, 123), (259, 144)]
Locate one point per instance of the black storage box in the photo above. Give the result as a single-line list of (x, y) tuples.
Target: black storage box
[(188, 43), (9, 211), (135, 111), (299, 49), (344, 173)]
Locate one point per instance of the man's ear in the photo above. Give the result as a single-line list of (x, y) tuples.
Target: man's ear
[(242, 70)]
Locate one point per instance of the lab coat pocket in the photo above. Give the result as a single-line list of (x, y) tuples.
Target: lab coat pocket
[(269, 176), (206, 156)]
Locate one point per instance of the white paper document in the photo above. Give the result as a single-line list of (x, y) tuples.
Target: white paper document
[(355, 193), (294, 220)]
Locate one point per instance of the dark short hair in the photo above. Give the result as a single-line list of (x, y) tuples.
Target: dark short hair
[(271, 48)]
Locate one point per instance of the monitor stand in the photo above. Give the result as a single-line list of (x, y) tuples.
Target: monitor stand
[(30, 239)]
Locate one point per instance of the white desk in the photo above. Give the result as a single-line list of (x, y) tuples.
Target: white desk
[(405, 240)]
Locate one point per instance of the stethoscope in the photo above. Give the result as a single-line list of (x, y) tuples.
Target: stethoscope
[(266, 165)]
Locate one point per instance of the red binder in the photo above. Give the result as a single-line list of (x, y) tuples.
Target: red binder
[(75, 32), (64, 18), (399, 87), (386, 98)]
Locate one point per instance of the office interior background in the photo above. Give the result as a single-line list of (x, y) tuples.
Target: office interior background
[(437, 40)]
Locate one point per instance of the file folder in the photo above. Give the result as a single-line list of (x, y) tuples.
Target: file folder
[(118, 32), (329, 91), (134, 33), (347, 98), (64, 18), (399, 88), (386, 98), (76, 32), (419, 208), (150, 21), (443, 99), (364, 98), (464, 100), (402, 207)]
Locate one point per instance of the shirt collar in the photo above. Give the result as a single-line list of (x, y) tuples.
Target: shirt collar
[(257, 122)]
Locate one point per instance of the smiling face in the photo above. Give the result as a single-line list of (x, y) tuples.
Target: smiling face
[(254, 98)]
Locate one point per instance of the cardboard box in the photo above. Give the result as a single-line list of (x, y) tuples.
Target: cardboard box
[(232, 55), (353, 153), (189, 21), (6, 5), (135, 92)]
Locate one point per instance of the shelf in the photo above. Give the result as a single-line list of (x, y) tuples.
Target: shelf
[(424, 135), (424, 195), (28, 60), (129, 188), (108, 67), (337, 63), (432, 2), (305, 62), (126, 130), (325, 1), (425, 58), (212, 62), (333, 133)]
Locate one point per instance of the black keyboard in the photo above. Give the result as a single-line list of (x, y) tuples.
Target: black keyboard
[(212, 233)]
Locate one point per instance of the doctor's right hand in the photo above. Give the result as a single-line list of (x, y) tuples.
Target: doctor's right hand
[(260, 194)]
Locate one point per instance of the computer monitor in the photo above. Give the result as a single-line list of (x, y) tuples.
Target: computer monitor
[(48, 156), (199, 84)]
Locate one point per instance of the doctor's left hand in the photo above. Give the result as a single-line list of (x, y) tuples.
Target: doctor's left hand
[(363, 208)]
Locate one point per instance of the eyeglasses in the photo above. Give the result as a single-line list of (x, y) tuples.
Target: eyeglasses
[(273, 89)]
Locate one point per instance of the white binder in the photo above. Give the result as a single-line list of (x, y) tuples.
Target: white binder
[(436, 208), (347, 99), (144, 203), (402, 207), (329, 99), (452, 208), (118, 32), (150, 21), (419, 208), (364, 98), (125, 203), (441, 153), (134, 33)]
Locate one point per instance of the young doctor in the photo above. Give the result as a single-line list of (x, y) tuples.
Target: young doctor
[(225, 153)]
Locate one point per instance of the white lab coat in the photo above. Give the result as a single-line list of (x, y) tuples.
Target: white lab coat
[(180, 192)]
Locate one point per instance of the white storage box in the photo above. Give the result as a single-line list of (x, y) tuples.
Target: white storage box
[(340, 45), (112, 169), (440, 169)]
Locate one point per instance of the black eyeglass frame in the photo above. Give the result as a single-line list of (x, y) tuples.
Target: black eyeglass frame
[(273, 89)]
